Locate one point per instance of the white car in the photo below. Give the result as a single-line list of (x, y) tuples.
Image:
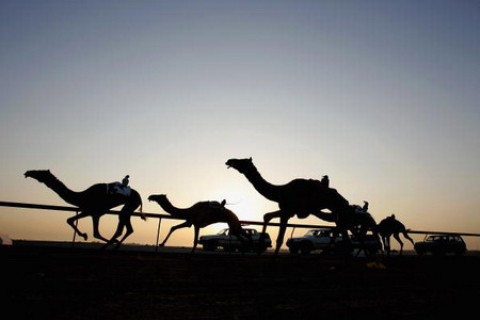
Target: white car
[(322, 239), (319, 239), (255, 241)]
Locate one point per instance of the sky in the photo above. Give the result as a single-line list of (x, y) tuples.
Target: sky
[(382, 96)]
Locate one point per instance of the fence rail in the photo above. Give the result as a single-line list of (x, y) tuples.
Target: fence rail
[(166, 216)]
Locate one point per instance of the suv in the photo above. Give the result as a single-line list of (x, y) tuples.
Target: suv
[(257, 242), (317, 239), (441, 244), (322, 239)]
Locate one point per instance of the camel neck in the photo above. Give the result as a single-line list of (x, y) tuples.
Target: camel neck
[(337, 202), (61, 189), (265, 188), (169, 208)]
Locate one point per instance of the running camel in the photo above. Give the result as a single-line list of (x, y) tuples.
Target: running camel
[(300, 197), (95, 202), (200, 215)]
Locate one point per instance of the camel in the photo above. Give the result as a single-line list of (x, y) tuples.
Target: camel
[(200, 215), (391, 226), (95, 202), (300, 197)]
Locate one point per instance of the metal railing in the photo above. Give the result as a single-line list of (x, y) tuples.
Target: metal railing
[(137, 214), (166, 216)]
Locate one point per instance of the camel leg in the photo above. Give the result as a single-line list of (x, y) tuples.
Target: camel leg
[(281, 233), (118, 233), (361, 245), (195, 239), (71, 222), (386, 244), (180, 226), (96, 232), (405, 234), (397, 237), (128, 225), (346, 241), (383, 245), (245, 240), (267, 217)]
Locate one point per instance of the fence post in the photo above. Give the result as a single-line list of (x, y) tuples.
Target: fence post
[(158, 233)]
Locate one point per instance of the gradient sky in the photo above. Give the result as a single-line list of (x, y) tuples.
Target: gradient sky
[(383, 96)]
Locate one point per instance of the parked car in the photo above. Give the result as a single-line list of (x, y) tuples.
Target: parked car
[(322, 239), (316, 239), (441, 244), (370, 243), (257, 242)]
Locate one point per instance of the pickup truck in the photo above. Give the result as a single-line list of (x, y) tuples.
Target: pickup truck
[(322, 239), (256, 242)]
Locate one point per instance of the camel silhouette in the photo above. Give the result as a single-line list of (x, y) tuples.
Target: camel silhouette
[(95, 202), (200, 215), (391, 226), (301, 197)]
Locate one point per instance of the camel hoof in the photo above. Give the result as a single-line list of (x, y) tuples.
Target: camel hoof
[(84, 236)]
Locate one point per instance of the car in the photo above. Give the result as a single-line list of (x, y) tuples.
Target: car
[(315, 239), (323, 239), (441, 244), (256, 241), (370, 244)]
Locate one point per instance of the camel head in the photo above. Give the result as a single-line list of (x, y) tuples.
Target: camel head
[(241, 165), (39, 175), (158, 197)]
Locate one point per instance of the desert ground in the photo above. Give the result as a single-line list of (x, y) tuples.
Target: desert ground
[(52, 282)]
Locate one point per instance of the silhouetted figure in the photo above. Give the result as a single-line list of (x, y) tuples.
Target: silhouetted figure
[(95, 202), (299, 197), (199, 215), (125, 181), (391, 226), (325, 182), (365, 206), (120, 188)]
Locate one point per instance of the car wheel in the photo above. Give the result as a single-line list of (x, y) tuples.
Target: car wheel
[(305, 248), (293, 249), (439, 252), (229, 248), (259, 248), (210, 246)]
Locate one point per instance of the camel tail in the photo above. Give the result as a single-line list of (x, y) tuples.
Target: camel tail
[(142, 215)]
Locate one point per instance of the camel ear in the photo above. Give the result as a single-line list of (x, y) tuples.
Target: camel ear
[(251, 159), (224, 202)]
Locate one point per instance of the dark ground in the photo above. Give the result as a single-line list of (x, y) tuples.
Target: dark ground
[(68, 283)]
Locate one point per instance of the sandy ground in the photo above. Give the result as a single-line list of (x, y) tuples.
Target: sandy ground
[(79, 283)]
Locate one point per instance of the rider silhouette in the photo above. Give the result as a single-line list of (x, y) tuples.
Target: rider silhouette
[(365, 206), (325, 182), (125, 181)]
